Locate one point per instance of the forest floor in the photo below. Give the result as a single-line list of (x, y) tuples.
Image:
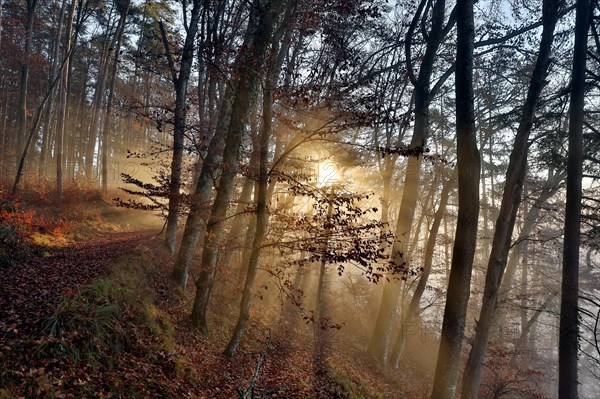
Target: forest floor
[(87, 310)]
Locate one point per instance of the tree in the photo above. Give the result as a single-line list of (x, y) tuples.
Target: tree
[(277, 56), (468, 165), (210, 164), (415, 302), (511, 199), (267, 15), (62, 108), (569, 318), (180, 83), (123, 9), (378, 345), (24, 82)]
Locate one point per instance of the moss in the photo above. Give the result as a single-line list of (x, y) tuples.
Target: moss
[(6, 394), (160, 326), (350, 388)]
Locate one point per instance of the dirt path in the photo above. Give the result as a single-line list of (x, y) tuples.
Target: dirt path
[(30, 290)]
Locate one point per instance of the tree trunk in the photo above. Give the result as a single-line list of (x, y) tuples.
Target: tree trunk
[(248, 79), (53, 71), (98, 104), (320, 325), (383, 325), (62, 109), (240, 219), (24, 82), (569, 320), (511, 199), (413, 307), (194, 224), (468, 165), (262, 216), (206, 178), (179, 124), (550, 188), (106, 130)]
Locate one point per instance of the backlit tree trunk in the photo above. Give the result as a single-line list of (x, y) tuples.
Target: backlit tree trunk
[(569, 320), (415, 302), (378, 346), (24, 82), (62, 109), (108, 116), (248, 79), (468, 165), (511, 199), (180, 82)]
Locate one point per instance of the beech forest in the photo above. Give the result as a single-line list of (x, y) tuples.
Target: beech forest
[(356, 199)]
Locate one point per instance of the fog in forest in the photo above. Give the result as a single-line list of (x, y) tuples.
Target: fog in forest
[(299, 199)]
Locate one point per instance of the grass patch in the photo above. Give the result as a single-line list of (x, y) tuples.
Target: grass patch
[(107, 317), (86, 325), (351, 388)]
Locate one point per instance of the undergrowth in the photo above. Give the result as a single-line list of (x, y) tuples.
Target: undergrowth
[(99, 340), (35, 220)]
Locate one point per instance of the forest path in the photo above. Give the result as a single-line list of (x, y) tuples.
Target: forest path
[(31, 289)]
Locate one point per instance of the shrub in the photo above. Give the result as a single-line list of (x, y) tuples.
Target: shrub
[(15, 224)]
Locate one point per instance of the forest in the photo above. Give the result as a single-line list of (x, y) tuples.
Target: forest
[(300, 199)]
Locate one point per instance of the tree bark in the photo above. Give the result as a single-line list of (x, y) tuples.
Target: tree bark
[(569, 320), (550, 188), (511, 199), (262, 216), (24, 82), (468, 165), (378, 345), (106, 129), (251, 61), (179, 124), (194, 224), (53, 71), (413, 307), (98, 103), (62, 109)]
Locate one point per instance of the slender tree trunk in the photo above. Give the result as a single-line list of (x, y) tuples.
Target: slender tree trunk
[(468, 165), (262, 216), (243, 225), (106, 130), (413, 307), (569, 320), (53, 70), (550, 188), (194, 224), (24, 82), (98, 104), (383, 325), (511, 199), (320, 327), (248, 72), (547, 305), (179, 128), (241, 218), (62, 109), (427, 204)]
